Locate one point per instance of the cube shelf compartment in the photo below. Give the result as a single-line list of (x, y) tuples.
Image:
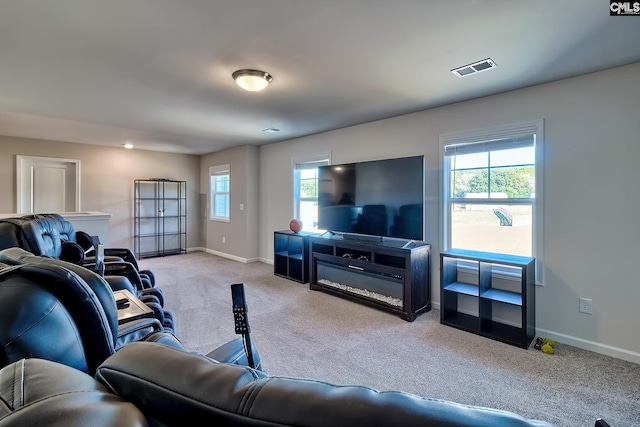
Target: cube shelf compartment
[(291, 255), (489, 294)]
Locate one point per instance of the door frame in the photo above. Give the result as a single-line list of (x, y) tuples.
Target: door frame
[(24, 179)]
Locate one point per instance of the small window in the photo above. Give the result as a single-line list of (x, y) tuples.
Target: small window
[(305, 190), (219, 193)]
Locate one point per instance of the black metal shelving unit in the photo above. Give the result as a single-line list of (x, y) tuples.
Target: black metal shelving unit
[(160, 217)]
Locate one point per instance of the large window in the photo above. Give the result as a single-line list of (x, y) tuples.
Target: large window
[(491, 193), (305, 190), (219, 193)]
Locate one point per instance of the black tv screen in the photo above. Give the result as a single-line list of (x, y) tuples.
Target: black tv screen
[(379, 198)]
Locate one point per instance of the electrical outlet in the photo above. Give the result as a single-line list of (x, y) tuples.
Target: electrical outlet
[(586, 306), (224, 239)]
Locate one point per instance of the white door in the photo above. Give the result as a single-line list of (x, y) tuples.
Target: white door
[(47, 184)]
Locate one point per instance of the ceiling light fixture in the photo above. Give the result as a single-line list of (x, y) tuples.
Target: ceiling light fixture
[(271, 130), (128, 145), (252, 80)]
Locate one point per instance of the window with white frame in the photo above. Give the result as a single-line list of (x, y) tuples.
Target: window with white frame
[(305, 190), (219, 192), (492, 190)]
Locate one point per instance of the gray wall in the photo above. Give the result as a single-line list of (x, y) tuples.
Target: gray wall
[(106, 180), (241, 232), (591, 196)]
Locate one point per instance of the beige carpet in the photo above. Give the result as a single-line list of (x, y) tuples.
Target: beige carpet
[(308, 334)]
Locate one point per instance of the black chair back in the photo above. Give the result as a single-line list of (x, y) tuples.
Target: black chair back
[(47, 311)]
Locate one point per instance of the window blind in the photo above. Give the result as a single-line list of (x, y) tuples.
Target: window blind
[(491, 145)]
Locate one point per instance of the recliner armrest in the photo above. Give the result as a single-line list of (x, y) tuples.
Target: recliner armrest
[(15, 256), (125, 269), (123, 253), (119, 283), (234, 352), (72, 252), (136, 330)]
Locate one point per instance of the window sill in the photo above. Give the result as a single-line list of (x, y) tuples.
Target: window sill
[(218, 219)]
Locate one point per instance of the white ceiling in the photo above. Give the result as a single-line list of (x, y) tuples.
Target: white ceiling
[(158, 72)]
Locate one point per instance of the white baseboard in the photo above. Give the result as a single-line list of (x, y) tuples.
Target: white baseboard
[(231, 257), (196, 250), (596, 347)]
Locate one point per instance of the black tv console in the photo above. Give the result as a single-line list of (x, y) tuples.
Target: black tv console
[(392, 274), (361, 238)]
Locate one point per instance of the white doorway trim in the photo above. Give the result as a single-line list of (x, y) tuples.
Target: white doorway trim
[(25, 168)]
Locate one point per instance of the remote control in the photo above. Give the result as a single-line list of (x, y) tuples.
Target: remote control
[(122, 303), (240, 319), (239, 309)]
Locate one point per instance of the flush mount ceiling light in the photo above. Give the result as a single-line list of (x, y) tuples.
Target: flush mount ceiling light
[(252, 80), (476, 67), (128, 145)]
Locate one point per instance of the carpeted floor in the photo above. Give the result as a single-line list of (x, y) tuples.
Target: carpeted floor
[(307, 334)]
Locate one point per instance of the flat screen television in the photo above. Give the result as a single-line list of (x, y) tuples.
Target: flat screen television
[(379, 198)]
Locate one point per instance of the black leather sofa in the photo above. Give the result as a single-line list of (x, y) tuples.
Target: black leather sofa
[(153, 384)]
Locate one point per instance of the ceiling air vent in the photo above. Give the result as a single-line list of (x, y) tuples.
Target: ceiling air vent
[(476, 67)]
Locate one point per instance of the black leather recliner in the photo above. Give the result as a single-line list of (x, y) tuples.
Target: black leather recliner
[(199, 391), (124, 254), (68, 233), (17, 256), (11, 235), (118, 261), (42, 234), (85, 241), (59, 311), (42, 237)]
